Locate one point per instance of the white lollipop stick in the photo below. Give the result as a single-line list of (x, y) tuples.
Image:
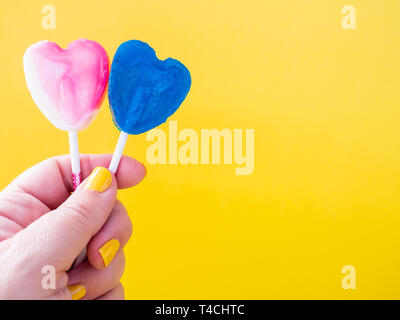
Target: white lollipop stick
[(75, 160), (113, 168), (76, 177), (116, 158)]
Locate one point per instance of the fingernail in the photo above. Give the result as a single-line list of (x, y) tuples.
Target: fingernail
[(100, 179), (78, 291), (108, 251)]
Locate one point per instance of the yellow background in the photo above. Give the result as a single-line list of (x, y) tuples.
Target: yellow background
[(324, 103)]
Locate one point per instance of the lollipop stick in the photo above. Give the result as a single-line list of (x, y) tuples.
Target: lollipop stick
[(113, 168), (76, 177), (116, 158), (75, 161)]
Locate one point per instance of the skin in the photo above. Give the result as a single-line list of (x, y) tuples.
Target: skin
[(41, 224)]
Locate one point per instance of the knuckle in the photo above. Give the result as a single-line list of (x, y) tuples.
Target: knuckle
[(127, 225), (77, 211), (118, 206), (128, 228)]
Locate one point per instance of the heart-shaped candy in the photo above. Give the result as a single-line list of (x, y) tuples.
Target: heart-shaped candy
[(67, 85), (143, 90)]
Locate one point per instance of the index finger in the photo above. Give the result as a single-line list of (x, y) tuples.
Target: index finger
[(50, 181)]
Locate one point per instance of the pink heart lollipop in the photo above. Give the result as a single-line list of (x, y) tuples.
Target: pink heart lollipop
[(68, 86)]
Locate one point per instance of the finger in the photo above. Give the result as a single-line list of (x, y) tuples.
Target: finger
[(111, 238), (60, 235), (50, 181), (19, 209), (98, 282), (117, 293), (8, 228)]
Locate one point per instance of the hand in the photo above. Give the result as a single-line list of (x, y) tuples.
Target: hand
[(42, 224)]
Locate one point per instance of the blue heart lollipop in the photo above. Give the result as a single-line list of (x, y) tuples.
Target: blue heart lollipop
[(143, 91)]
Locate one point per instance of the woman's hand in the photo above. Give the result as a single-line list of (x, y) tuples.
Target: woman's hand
[(43, 228)]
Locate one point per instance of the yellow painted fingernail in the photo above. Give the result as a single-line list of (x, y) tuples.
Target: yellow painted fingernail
[(78, 291), (100, 179), (108, 251)]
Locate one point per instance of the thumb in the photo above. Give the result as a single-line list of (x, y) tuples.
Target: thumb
[(60, 235)]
